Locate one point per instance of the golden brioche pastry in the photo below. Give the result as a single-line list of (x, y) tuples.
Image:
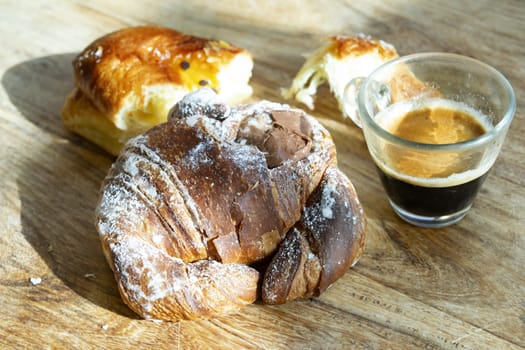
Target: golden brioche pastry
[(127, 81), (337, 63), (198, 213)]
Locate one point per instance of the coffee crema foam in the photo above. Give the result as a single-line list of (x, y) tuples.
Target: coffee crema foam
[(432, 121)]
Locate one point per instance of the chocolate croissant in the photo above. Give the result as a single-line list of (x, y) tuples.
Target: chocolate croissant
[(200, 215)]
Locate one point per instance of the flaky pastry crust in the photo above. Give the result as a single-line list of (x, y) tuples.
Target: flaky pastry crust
[(338, 62), (126, 81)]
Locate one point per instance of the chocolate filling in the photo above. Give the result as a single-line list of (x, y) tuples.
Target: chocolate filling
[(288, 138)]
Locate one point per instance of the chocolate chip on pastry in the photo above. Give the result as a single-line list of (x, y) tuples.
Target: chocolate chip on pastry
[(200, 215)]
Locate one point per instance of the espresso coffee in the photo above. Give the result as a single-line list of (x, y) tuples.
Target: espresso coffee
[(430, 201), (432, 184)]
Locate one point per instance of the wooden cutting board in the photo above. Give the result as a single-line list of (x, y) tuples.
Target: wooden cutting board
[(461, 287)]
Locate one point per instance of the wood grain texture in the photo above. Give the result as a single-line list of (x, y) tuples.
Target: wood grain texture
[(461, 287)]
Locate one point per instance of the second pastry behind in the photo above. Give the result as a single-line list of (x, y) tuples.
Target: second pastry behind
[(126, 81)]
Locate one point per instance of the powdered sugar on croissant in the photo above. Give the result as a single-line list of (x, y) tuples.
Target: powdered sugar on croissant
[(190, 206)]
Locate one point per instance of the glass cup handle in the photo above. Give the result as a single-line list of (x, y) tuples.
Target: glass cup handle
[(349, 105)]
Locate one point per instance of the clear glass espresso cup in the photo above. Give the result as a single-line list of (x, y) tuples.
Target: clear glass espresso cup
[(434, 124)]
